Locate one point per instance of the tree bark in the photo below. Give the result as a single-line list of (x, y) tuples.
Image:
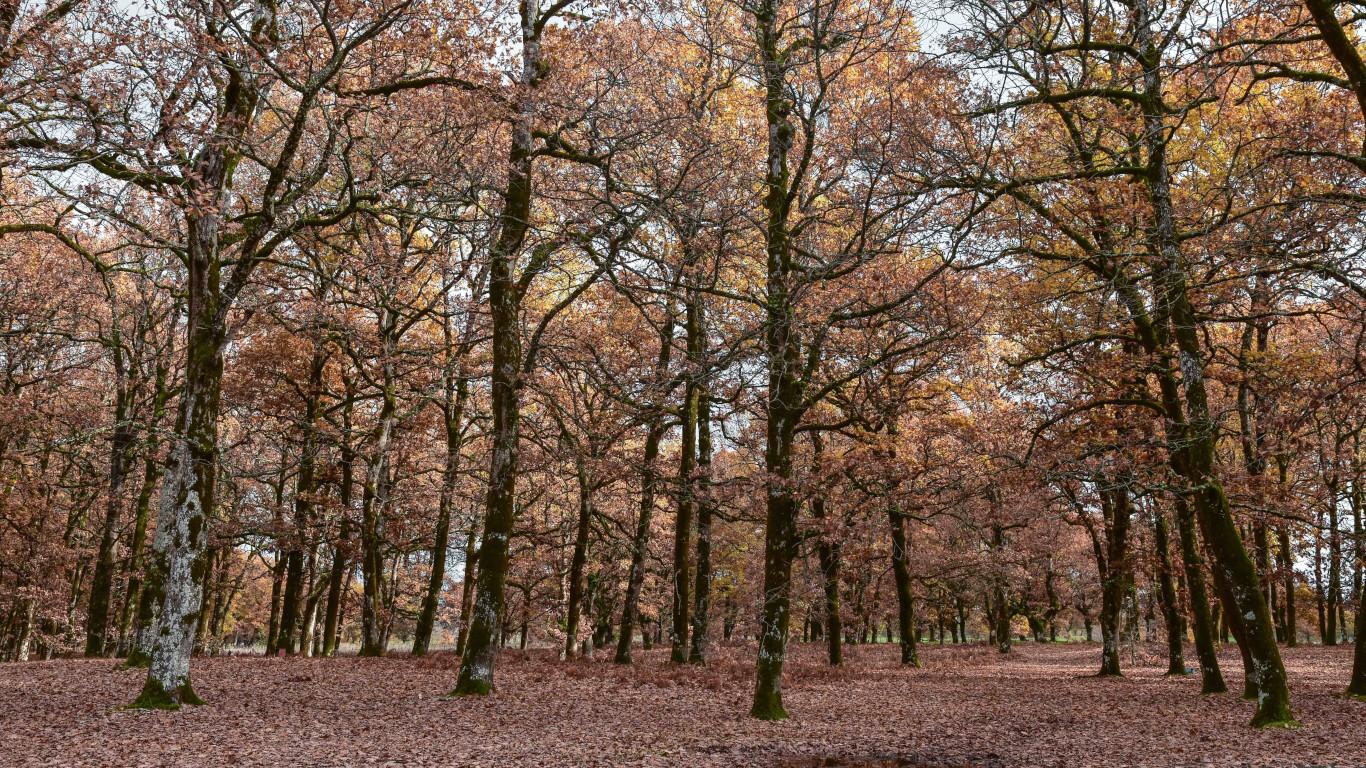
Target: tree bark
[(901, 571), (1196, 456), (102, 581), (697, 652), (304, 487), (579, 560), (476, 666), (1171, 604), (783, 408), (683, 520), (453, 410), (341, 563)]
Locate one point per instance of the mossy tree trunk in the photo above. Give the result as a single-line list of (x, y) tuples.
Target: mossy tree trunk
[(177, 569), (477, 663)]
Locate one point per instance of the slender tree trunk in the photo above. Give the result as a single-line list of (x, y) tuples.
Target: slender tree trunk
[(901, 571), (457, 392), (683, 521), (467, 585), (697, 653), (341, 563), (1171, 604), (1330, 636), (579, 560), (132, 591), (649, 478), (304, 488), (476, 666), (1287, 562), (828, 553), (998, 610), (640, 542), (102, 581), (1196, 457)]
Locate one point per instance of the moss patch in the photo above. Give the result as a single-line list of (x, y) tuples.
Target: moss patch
[(154, 696)]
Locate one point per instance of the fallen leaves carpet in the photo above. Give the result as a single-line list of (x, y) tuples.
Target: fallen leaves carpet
[(969, 707)]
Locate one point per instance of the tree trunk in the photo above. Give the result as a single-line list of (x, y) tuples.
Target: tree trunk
[(132, 591), (102, 581), (1357, 686), (341, 563), (476, 666), (640, 542), (304, 488), (1334, 595), (1195, 455), (901, 571), (579, 560), (467, 585), (176, 570), (697, 653), (1115, 575), (649, 477), (785, 392), (1171, 604), (828, 552), (457, 392), (683, 521)]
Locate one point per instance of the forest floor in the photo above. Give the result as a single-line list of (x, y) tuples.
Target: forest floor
[(969, 706)]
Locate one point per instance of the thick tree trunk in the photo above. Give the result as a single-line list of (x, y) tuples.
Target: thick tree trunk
[(785, 392), (1115, 572), (176, 570)]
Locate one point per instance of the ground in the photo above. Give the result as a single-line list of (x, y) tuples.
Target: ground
[(967, 707)]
